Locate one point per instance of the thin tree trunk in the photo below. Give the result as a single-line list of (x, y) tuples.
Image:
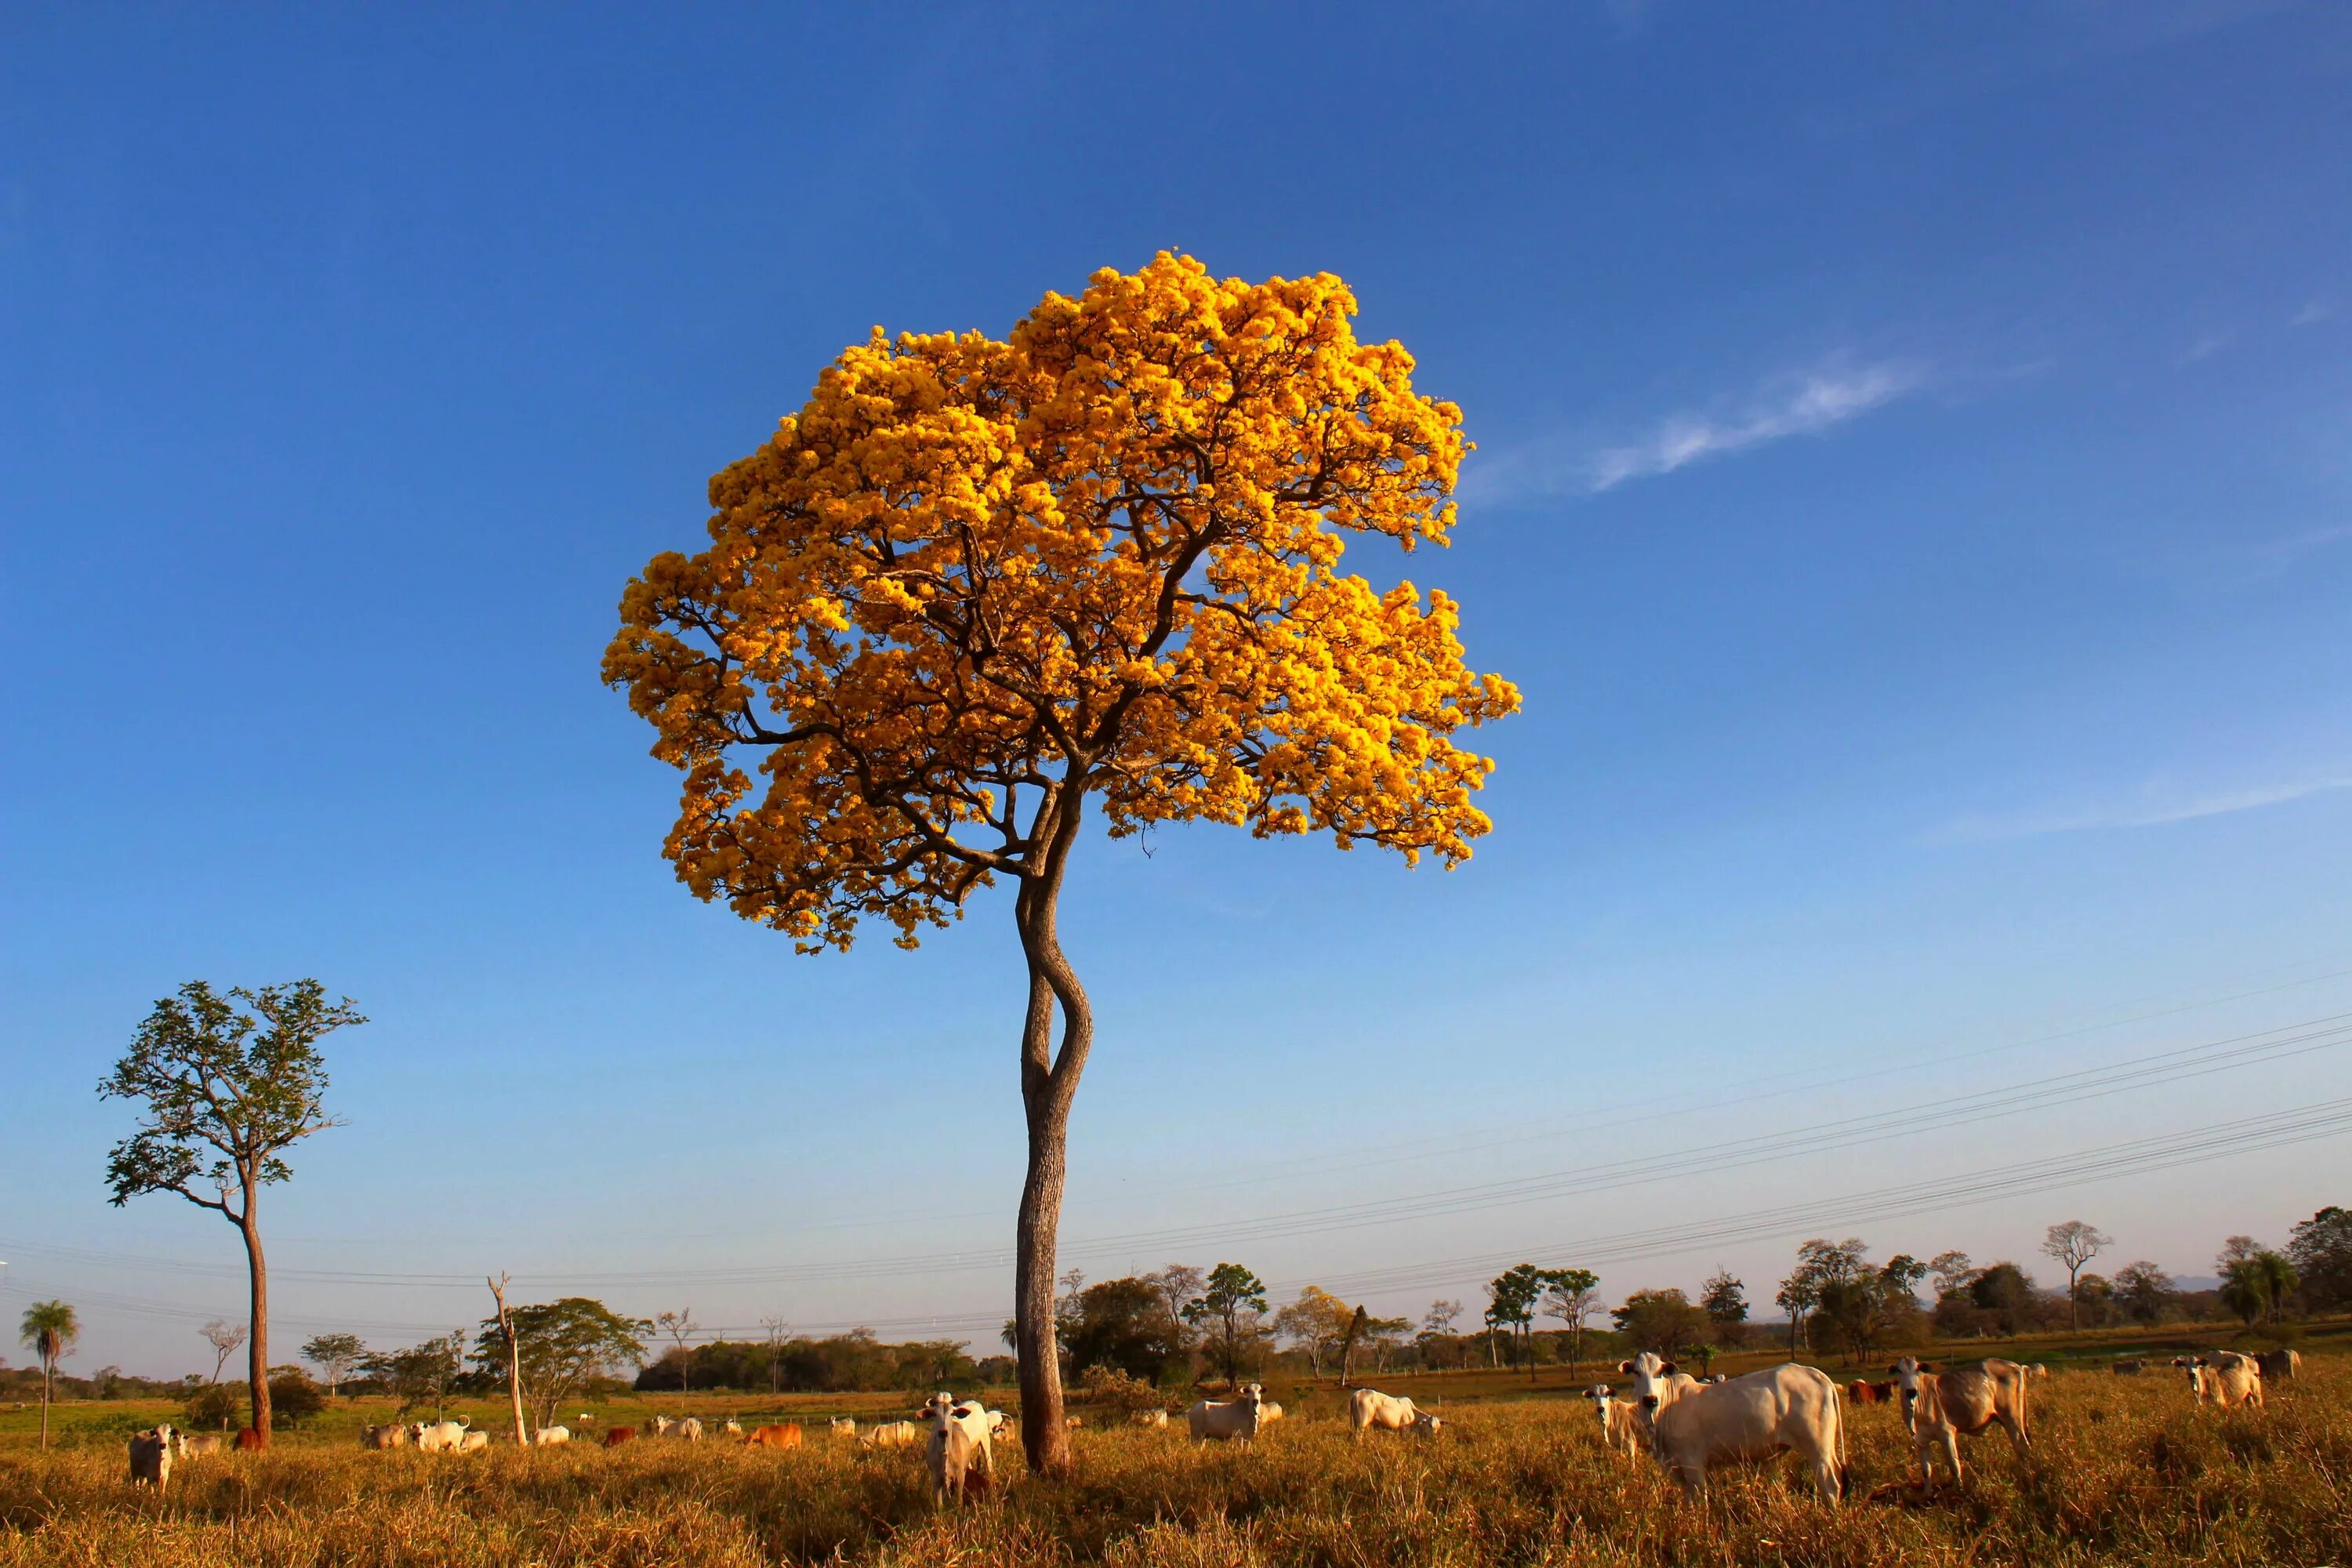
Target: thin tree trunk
[(256, 1347), (1049, 1082), (514, 1358), (48, 1371)]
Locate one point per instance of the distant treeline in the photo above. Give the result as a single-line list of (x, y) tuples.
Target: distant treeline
[(835, 1364)]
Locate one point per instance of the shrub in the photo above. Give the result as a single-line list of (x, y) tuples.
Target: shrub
[(214, 1405)]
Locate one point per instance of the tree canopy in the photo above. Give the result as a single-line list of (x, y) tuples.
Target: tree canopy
[(223, 1093), (561, 1345), (1104, 554)]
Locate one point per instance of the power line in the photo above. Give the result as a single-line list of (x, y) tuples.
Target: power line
[(2232, 1053)]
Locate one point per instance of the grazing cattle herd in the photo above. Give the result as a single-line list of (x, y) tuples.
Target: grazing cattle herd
[(1689, 1425)]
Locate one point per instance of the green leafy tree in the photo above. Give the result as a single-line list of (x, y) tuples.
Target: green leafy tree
[(2276, 1278), (1124, 1324), (421, 1374), (213, 1405), (1951, 1271), (1511, 1298), (1819, 1263), (1230, 1308), (1573, 1294), (335, 1355), (2142, 1292), (2004, 1291), (49, 1329), (561, 1346), (293, 1397), (1317, 1322), (222, 1095), (1724, 1299), (2321, 1250), (1661, 1320)]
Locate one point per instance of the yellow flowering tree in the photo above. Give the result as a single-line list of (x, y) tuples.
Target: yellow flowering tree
[(975, 589)]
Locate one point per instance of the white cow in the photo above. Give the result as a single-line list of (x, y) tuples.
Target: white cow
[(999, 1424), (892, 1435), (686, 1431), (186, 1446), (549, 1437), (151, 1458), (1368, 1408), (1657, 1383), (473, 1442), (844, 1425), (733, 1428), (393, 1436), (1227, 1420), (959, 1442), (1939, 1406), (1620, 1429), (662, 1424), (1752, 1417), (2226, 1378), (1149, 1418), (439, 1437)]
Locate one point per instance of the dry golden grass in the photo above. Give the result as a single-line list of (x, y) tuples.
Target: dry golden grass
[(2124, 1471)]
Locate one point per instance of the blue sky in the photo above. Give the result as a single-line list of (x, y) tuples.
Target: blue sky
[(1915, 494)]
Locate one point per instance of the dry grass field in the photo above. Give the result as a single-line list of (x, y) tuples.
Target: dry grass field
[(2124, 1471)]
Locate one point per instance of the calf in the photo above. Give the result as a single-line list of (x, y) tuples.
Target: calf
[(551, 1437), (959, 1446), (1227, 1420), (1619, 1429), (2226, 1378), (1141, 1418), (151, 1459), (686, 1431), (1941, 1406), (845, 1425), (785, 1434), (1781, 1409), (616, 1436), (393, 1436), (473, 1442), (186, 1446), (248, 1441), (1368, 1408), (1861, 1392), (892, 1435)]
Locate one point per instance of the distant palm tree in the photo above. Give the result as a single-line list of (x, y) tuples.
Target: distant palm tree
[(49, 1331)]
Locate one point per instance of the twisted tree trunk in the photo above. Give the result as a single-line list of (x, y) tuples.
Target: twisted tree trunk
[(1049, 1082)]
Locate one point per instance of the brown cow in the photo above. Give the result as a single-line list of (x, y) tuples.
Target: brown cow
[(2279, 1366), (774, 1436), (1939, 1406), (1863, 1392), (248, 1439), (616, 1436)]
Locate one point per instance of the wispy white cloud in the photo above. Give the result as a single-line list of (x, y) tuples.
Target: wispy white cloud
[(2313, 312), (2154, 806), (2207, 345), (1806, 406)]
